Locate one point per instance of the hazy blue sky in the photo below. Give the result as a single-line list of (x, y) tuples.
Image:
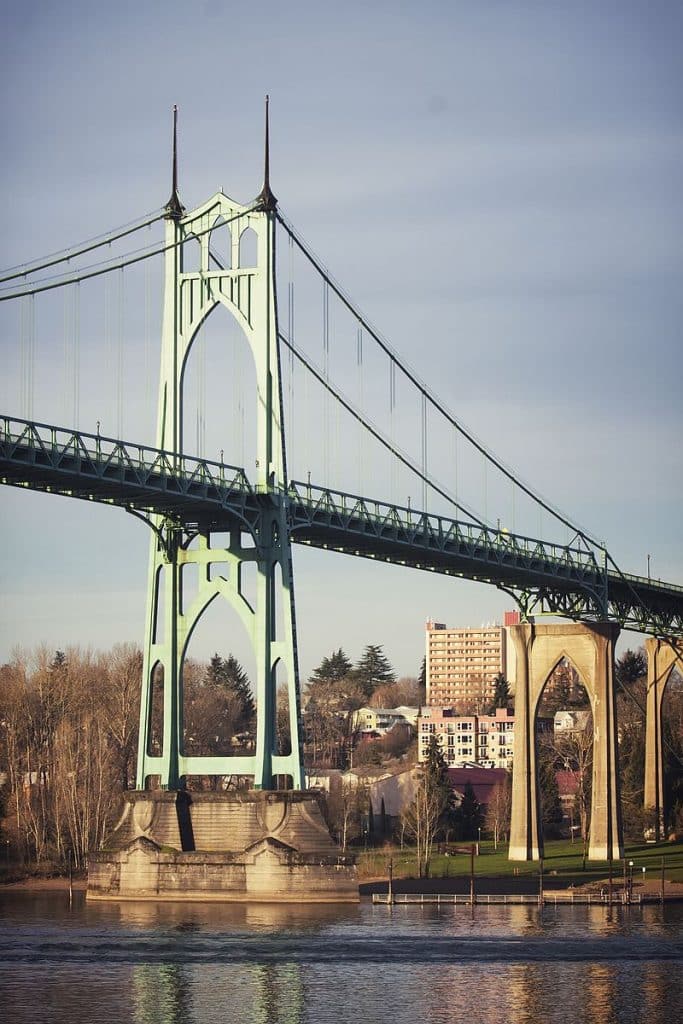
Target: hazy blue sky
[(497, 184)]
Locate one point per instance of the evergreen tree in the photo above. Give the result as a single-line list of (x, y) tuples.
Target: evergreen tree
[(373, 669), (631, 667), (436, 772), (332, 669), (469, 817), (228, 674), (422, 678), (58, 663), (501, 693)]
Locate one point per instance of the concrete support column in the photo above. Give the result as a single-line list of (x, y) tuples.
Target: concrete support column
[(606, 834), (537, 650), (662, 655), (526, 833)]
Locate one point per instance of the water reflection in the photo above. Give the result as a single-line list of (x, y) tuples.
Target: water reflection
[(228, 916), (656, 983), (160, 994), (282, 964)]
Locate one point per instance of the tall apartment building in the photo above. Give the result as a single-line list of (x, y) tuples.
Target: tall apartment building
[(462, 664)]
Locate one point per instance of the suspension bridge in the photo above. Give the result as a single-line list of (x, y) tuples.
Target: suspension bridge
[(319, 389)]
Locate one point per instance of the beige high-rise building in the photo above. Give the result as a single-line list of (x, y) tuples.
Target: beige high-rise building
[(462, 665)]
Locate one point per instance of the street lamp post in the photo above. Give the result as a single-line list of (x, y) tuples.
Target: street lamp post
[(630, 881), (478, 839)]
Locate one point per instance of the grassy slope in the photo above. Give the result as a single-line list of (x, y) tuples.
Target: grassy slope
[(562, 861)]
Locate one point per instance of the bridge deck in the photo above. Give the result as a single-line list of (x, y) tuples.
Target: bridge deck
[(571, 580)]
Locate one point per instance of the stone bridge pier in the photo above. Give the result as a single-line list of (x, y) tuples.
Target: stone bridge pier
[(662, 657), (538, 649)]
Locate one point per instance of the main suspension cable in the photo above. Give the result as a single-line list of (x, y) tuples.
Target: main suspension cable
[(65, 255), (125, 261), (428, 394)]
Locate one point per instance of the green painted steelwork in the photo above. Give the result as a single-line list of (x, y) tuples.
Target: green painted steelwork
[(248, 293), (575, 581)]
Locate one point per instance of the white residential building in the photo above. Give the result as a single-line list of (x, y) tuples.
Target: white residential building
[(484, 740)]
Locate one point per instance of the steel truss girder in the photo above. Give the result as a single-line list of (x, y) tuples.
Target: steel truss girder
[(572, 581)]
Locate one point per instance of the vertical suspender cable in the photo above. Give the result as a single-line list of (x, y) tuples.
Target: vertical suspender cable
[(424, 450), (77, 352), (119, 354), (31, 356), (198, 398), (238, 422), (71, 301), (392, 406), (23, 371), (335, 459), (326, 375), (66, 383), (486, 489), (307, 417), (109, 360), (456, 434), (202, 402), (290, 332), (147, 360), (337, 443), (359, 360)]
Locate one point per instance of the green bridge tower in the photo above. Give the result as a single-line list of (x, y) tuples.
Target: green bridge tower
[(248, 293)]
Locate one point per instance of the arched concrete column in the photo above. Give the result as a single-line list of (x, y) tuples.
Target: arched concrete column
[(662, 657), (538, 648)]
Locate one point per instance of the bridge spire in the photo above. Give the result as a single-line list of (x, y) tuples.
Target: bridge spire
[(265, 199), (174, 207)]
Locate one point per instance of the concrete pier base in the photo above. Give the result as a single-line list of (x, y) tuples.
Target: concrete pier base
[(244, 846)]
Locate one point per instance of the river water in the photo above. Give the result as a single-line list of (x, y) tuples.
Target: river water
[(264, 964)]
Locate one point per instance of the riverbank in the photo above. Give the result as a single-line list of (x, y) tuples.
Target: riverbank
[(59, 883), (497, 885), (563, 869), (484, 886)]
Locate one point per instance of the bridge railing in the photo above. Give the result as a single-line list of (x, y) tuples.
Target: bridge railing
[(443, 531), (41, 444), (647, 581)]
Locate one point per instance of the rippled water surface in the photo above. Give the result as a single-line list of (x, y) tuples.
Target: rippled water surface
[(196, 963)]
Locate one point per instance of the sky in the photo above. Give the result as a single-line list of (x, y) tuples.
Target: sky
[(496, 184)]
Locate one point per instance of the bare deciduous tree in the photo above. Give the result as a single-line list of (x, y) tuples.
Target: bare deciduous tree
[(498, 811)]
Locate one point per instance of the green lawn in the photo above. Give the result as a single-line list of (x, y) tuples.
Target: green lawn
[(562, 859)]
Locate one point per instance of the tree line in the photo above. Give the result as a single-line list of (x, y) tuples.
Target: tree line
[(69, 735), (337, 688), (69, 732)]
